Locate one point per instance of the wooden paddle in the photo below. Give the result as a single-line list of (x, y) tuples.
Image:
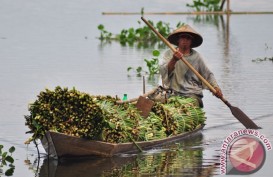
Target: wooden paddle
[(144, 105), (237, 113)]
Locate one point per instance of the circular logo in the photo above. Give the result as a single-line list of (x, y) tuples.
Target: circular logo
[(246, 155)]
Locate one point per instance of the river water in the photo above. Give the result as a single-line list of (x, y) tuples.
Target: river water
[(48, 43)]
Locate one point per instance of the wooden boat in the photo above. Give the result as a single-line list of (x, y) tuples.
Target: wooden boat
[(163, 163), (59, 145)]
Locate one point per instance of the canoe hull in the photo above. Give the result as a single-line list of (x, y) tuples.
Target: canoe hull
[(59, 145)]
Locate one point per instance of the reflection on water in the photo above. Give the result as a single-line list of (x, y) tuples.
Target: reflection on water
[(216, 20), (180, 159)]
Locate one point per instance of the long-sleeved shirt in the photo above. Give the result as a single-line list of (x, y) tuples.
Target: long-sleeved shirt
[(182, 79)]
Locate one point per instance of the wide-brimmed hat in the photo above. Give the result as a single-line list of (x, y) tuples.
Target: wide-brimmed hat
[(186, 29)]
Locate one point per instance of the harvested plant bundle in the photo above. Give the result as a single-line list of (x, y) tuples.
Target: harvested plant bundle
[(125, 124), (120, 123), (66, 111), (179, 115), (99, 117)]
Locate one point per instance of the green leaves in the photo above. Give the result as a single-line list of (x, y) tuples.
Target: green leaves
[(129, 68), (139, 69), (11, 149), (152, 65), (143, 36), (104, 35), (6, 159), (101, 27), (156, 53), (9, 159), (9, 172)]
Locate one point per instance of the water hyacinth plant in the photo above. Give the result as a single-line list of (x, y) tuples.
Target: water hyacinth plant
[(143, 36), (104, 35), (152, 65), (67, 111), (6, 160)]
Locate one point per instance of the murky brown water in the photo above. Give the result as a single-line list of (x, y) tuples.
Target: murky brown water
[(47, 43)]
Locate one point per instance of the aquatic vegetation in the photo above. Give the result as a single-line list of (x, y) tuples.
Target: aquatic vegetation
[(205, 5), (138, 70), (6, 159), (152, 65), (142, 36), (267, 48), (99, 117), (104, 35), (257, 60)]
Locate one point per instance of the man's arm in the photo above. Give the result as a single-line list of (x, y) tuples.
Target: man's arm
[(171, 65)]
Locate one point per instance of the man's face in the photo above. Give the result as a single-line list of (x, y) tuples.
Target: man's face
[(185, 41)]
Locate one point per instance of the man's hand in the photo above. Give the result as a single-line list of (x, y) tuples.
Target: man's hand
[(171, 65), (177, 55), (218, 92)]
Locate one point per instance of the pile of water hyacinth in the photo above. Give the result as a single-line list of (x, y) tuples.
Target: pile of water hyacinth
[(100, 118)]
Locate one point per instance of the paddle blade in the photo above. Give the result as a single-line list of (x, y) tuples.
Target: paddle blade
[(144, 105), (243, 118)]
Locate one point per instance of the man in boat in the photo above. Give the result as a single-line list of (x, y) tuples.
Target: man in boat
[(176, 75)]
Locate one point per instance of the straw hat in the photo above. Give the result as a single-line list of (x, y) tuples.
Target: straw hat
[(186, 29)]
